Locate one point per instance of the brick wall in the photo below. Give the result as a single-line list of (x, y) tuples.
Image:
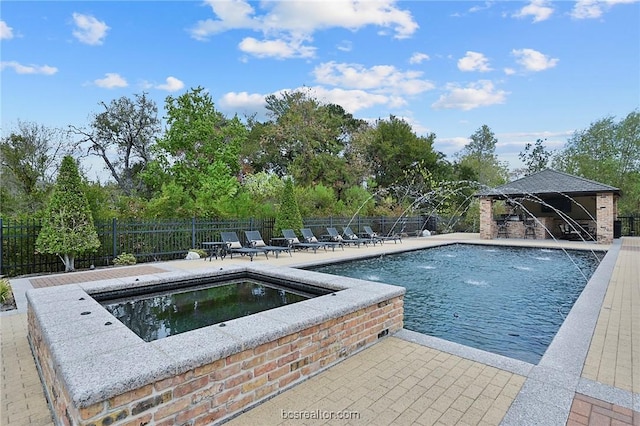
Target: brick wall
[(487, 226), (224, 387), (606, 207)]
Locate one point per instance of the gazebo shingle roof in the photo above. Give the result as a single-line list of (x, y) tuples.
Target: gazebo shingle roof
[(548, 182)]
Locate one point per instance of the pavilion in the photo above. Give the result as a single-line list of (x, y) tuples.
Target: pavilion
[(551, 204)]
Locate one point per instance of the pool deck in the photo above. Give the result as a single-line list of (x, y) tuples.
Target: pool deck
[(590, 375)]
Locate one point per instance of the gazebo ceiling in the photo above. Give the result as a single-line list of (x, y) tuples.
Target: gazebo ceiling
[(548, 182)]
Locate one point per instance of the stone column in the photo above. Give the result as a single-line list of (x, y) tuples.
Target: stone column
[(605, 215), (486, 218)]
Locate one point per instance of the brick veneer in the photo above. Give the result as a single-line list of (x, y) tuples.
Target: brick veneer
[(606, 213), (487, 227), (224, 387)]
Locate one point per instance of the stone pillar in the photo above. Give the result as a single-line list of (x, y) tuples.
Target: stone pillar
[(606, 206), (486, 218)]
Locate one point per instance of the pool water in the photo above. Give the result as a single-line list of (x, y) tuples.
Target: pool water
[(158, 315), (506, 300)]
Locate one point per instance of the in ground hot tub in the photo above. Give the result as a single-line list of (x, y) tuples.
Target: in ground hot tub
[(96, 370)]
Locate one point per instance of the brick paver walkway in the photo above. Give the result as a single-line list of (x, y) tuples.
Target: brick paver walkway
[(23, 401), (396, 382), (616, 339), (587, 411), (101, 274)]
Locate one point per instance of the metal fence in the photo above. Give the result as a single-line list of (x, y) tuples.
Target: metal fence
[(165, 239), (629, 225)]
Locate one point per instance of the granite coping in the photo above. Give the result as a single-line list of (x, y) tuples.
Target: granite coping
[(98, 357)]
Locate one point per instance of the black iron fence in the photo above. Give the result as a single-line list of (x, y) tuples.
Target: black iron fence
[(168, 239), (629, 225)]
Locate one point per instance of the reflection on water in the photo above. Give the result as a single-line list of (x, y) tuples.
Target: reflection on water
[(510, 301), (156, 316)]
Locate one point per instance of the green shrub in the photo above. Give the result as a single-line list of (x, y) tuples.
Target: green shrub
[(125, 259), (5, 290)]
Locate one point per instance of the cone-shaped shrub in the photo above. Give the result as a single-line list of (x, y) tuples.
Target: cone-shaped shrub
[(288, 216), (67, 228)]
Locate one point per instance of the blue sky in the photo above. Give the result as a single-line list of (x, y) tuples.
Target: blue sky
[(528, 70)]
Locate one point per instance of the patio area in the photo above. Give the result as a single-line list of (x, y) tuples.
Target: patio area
[(586, 377)]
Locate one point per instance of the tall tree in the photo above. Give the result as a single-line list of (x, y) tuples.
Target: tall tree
[(200, 149), (479, 155), (29, 159), (535, 157), (128, 128), (67, 229), (398, 156), (608, 152), (305, 139)]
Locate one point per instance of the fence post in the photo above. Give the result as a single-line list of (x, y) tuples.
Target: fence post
[(1, 244), (114, 234), (193, 232)]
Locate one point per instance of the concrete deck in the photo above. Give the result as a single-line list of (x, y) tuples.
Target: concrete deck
[(586, 377)]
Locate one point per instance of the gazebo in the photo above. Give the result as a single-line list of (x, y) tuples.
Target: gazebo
[(551, 204)]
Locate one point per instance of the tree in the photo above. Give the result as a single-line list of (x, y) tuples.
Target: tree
[(608, 152), (398, 156), (288, 216), (479, 155), (535, 157), (67, 229), (304, 139), (29, 159), (200, 150), (128, 127)]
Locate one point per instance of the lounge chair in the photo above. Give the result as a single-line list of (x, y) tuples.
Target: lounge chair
[(255, 240), (352, 236), (295, 243), (382, 238), (235, 246), (335, 236), (309, 237)]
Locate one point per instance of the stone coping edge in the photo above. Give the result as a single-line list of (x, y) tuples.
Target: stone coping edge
[(97, 357)]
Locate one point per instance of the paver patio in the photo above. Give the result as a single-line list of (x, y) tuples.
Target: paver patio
[(404, 379)]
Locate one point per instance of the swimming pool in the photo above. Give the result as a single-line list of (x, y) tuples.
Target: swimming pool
[(506, 300)]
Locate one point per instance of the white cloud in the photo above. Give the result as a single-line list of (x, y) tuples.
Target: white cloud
[(474, 61), (478, 8), (380, 78), (280, 49), (418, 58), (6, 32), (591, 9), (478, 94), (509, 71), (284, 23), (172, 84), (111, 81), (539, 9), (28, 69), (89, 30), (532, 60)]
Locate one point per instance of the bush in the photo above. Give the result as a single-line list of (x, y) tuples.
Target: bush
[(125, 259), (5, 290)]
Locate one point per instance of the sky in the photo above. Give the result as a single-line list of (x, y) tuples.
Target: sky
[(529, 70)]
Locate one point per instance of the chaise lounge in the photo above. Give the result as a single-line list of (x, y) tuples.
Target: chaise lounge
[(235, 246), (295, 243), (374, 236), (255, 240)]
